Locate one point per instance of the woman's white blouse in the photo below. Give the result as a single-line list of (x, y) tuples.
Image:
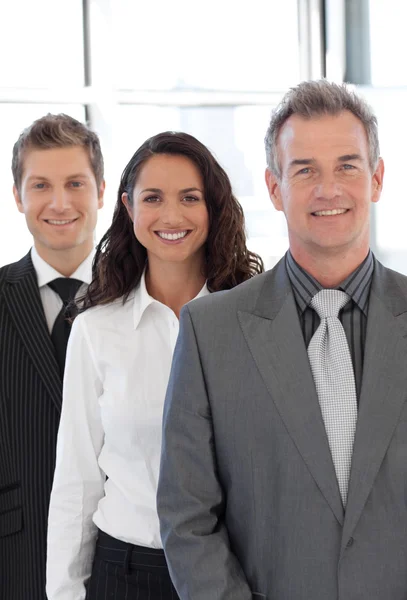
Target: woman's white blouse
[(117, 369)]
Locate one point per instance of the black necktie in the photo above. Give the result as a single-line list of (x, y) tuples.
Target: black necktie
[(66, 288)]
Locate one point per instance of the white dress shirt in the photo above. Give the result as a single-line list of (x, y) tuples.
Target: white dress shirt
[(117, 369), (51, 301)]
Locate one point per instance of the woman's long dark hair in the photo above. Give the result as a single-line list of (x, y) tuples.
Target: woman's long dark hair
[(120, 258)]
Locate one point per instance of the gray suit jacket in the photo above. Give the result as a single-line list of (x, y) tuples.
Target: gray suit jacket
[(248, 498)]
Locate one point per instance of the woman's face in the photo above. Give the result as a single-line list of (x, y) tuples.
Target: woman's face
[(169, 210)]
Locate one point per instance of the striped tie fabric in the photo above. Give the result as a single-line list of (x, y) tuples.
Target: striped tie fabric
[(332, 369)]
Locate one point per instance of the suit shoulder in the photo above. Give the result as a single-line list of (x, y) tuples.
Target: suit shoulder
[(394, 277), (391, 287), (241, 297), (400, 278), (389, 278), (7, 270), (17, 271), (3, 273)]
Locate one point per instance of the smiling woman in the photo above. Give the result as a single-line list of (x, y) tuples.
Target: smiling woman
[(177, 234), (172, 179), (169, 213)]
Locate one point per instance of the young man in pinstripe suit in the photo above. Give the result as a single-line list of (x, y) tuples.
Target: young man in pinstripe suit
[(58, 184)]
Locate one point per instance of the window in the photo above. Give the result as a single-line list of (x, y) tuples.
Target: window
[(152, 67), (390, 213), (388, 42), (41, 44), (207, 45), (209, 61), (376, 46)]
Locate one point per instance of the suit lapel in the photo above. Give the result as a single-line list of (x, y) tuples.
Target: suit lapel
[(275, 339), (383, 393), (23, 301)]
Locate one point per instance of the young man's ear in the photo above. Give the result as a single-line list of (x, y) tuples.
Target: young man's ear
[(17, 198), (273, 187), (102, 188)]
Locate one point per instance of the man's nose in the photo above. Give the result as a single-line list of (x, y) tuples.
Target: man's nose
[(59, 200), (328, 188)]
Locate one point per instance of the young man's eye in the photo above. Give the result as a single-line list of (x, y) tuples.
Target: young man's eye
[(39, 186), (76, 184)]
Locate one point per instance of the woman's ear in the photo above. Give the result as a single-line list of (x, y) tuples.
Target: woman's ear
[(127, 204)]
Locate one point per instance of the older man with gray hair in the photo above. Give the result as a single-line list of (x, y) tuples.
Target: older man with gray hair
[(284, 463)]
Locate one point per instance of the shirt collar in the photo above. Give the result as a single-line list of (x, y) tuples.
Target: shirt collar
[(46, 273), (142, 300), (356, 285)]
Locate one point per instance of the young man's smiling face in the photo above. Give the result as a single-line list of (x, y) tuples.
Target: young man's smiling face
[(59, 197), (326, 185)]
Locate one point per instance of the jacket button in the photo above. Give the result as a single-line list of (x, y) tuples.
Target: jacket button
[(350, 542)]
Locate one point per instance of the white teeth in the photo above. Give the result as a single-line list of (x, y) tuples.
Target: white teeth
[(55, 222), (172, 236), (328, 213)]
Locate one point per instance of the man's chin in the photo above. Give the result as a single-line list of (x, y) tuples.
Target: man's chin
[(61, 245)]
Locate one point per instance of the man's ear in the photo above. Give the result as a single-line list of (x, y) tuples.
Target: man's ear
[(17, 198), (126, 202), (377, 181), (102, 188), (273, 186)]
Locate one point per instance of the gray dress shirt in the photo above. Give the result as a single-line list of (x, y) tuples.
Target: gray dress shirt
[(353, 316)]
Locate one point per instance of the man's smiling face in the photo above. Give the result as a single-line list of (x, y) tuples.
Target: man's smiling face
[(59, 197), (327, 185)]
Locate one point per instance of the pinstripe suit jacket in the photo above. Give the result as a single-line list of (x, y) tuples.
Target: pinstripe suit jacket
[(30, 403)]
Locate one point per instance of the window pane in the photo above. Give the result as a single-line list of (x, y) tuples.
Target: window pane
[(235, 135), (41, 43), (390, 214), (210, 45), (388, 42), (15, 238)]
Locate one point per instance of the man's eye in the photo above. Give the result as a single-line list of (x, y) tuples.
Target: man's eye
[(39, 186), (348, 167), (76, 184), (304, 171)]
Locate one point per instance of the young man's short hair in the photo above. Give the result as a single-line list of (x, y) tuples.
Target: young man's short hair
[(57, 131)]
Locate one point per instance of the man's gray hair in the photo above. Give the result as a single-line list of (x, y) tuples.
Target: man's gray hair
[(317, 98)]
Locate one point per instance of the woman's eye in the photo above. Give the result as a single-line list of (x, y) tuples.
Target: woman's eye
[(191, 199), (151, 199)]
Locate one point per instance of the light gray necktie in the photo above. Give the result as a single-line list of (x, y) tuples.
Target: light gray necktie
[(332, 368)]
